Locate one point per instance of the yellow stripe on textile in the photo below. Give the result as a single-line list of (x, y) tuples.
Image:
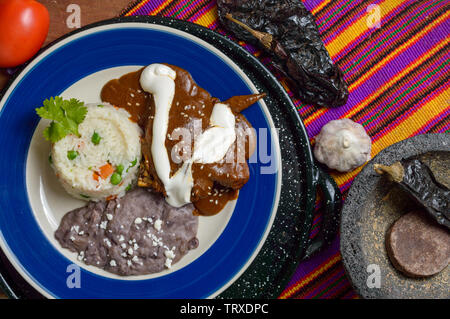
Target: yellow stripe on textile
[(400, 75), (287, 293), (320, 6), (382, 63), (358, 28), (207, 18)]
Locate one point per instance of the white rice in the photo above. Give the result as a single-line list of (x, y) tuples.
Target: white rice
[(119, 145)]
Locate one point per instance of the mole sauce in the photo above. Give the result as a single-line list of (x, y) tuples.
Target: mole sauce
[(214, 184)]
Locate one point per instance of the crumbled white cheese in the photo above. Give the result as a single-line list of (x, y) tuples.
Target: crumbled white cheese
[(113, 263), (107, 242), (157, 224), (169, 254), (75, 228)]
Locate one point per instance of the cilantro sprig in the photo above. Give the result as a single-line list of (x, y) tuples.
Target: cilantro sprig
[(66, 115)]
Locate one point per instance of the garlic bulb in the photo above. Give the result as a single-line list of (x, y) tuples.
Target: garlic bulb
[(342, 145)]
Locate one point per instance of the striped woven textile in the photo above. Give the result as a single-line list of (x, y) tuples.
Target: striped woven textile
[(395, 57)]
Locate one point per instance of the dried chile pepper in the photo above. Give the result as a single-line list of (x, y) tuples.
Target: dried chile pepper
[(418, 180), (288, 32)]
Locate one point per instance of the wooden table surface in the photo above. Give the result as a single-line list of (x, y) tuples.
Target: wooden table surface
[(66, 16)]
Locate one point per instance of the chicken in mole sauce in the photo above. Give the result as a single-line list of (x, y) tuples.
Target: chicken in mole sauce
[(214, 184)]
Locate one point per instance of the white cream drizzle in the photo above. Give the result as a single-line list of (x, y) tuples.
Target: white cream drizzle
[(211, 146)]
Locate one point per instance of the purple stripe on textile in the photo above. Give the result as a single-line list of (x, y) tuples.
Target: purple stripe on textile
[(311, 4), (192, 6), (446, 128), (403, 86), (344, 25), (341, 286), (252, 49), (321, 19), (214, 26), (304, 108), (318, 288), (348, 22), (335, 12), (208, 6), (308, 266), (315, 228), (381, 115), (380, 37), (148, 7), (384, 44), (179, 5), (440, 118), (342, 20), (350, 46), (404, 115), (379, 78), (307, 108), (345, 187)]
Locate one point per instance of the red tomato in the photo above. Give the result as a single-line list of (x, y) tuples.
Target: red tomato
[(23, 28)]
